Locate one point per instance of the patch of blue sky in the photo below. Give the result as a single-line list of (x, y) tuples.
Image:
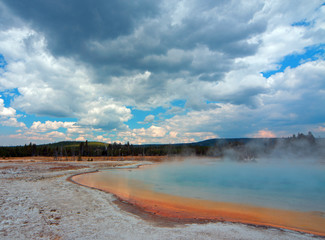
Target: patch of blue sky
[(160, 113), (8, 96), (212, 102), (311, 53), (178, 103), (7, 130), (303, 23), (140, 115), (28, 119), (177, 108), (3, 62)]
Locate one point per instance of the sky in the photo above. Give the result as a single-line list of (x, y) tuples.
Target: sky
[(160, 71)]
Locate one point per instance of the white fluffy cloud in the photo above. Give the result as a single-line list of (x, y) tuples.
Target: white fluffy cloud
[(298, 93), (36, 137), (105, 114), (265, 133), (50, 86), (49, 125), (208, 54), (148, 119), (6, 112), (8, 116), (12, 122), (151, 132)]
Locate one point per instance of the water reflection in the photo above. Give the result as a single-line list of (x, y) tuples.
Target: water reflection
[(295, 187), (266, 193)]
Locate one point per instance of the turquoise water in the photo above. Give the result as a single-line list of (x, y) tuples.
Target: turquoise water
[(293, 186)]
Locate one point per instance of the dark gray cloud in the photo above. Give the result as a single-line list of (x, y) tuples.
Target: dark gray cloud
[(119, 36), (68, 25), (96, 60), (217, 26), (190, 40)]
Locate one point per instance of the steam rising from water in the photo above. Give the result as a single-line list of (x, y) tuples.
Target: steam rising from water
[(290, 184), (301, 148)]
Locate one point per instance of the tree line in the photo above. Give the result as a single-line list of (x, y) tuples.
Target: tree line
[(240, 149), (92, 149)]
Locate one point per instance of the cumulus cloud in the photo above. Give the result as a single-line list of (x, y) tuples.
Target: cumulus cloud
[(6, 112), (94, 62), (156, 44), (49, 125), (50, 86), (298, 90), (39, 138), (82, 138), (151, 132), (55, 134), (105, 114), (12, 122), (321, 129), (100, 21), (265, 133), (8, 116), (148, 119), (101, 138), (40, 78)]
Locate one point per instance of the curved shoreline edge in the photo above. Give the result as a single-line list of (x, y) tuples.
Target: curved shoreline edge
[(136, 208)]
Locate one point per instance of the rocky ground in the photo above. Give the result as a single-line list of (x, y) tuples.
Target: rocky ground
[(37, 202)]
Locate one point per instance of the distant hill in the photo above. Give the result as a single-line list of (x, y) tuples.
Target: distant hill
[(73, 144), (220, 141), (240, 148)]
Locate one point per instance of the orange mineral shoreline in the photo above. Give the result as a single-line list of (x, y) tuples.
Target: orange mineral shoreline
[(140, 195)]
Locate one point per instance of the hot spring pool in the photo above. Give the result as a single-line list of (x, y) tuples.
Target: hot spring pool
[(298, 187), (288, 186)]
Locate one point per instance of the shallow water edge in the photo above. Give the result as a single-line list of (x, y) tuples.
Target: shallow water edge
[(186, 210)]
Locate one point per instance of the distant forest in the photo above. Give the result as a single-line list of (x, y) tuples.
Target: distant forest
[(238, 148)]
